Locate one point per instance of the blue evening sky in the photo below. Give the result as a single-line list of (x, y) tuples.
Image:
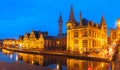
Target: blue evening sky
[(20, 16)]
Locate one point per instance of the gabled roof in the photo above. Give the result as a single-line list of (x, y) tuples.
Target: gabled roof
[(21, 37), (37, 34)]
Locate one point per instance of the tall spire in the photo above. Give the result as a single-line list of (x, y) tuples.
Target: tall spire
[(71, 13), (103, 23), (60, 21), (80, 18), (60, 18)]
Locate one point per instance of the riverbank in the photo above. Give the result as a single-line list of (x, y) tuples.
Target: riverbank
[(20, 66), (94, 57)]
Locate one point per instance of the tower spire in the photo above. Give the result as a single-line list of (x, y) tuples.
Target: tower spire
[(71, 13), (103, 23), (80, 18), (60, 21)]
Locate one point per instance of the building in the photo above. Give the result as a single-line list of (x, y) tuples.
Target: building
[(33, 40), (41, 40), (9, 43), (85, 35), (115, 33)]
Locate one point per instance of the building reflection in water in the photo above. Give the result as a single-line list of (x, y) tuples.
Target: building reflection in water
[(61, 63)]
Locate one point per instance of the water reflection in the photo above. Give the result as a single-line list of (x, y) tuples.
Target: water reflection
[(59, 62)]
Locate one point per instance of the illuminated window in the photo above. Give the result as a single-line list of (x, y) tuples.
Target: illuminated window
[(90, 33), (76, 42), (75, 34), (76, 65), (114, 35), (85, 34), (93, 43), (68, 27), (85, 43), (76, 45)]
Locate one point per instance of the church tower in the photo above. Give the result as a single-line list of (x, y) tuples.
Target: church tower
[(80, 19), (60, 21), (104, 31), (103, 24)]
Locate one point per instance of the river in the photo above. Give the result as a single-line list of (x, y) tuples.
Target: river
[(54, 62)]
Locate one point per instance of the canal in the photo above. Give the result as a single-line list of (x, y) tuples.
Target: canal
[(54, 62)]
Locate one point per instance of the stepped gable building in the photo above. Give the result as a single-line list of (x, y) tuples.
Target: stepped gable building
[(41, 40), (33, 40), (85, 35), (115, 34)]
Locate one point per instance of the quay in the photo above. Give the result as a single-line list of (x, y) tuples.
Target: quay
[(75, 55)]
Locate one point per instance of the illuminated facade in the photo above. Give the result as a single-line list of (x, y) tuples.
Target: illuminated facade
[(41, 40), (85, 35), (115, 33), (33, 40), (9, 42)]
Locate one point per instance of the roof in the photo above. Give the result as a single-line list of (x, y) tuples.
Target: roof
[(85, 22), (21, 37), (37, 34), (48, 37)]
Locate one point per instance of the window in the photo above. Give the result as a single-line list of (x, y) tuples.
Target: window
[(75, 34), (76, 45), (90, 33), (68, 27), (85, 43), (85, 34), (76, 42), (114, 35), (93, 43)]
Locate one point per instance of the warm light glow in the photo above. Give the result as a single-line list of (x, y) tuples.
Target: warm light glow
[(118, 21), (32, 62), (58, 66), (102, 64), (11, 56), (16, 58), (20, 45)]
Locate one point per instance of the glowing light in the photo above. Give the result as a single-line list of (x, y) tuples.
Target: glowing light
[(102, 64), (110, 50), (90, 68), (20, 45), (32, 62), (118, 21), (58, 66), (11, 56), (16, 58)]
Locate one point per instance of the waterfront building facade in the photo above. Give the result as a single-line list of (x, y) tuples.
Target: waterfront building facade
[(9, 42), (33, 40), (115, 33), (85, 35), (41, 40)]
